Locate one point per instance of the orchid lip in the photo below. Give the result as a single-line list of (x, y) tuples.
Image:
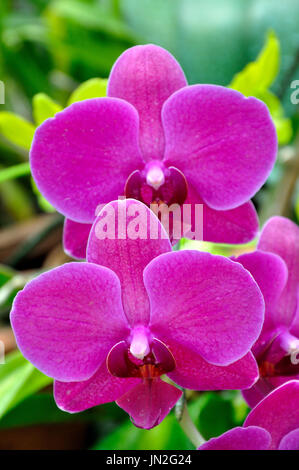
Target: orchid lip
[(122, 363), (157, 184), (278, 359)]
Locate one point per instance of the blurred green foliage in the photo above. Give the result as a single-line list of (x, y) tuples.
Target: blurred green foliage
[(212, 413), (256, 79), (16, 129), (18, 379), (48, 46)]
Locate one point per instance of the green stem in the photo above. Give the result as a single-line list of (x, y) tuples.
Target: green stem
[(14, 171), (186, 423)]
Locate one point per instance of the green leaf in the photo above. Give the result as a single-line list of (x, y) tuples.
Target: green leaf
[(216, 412), (284, 129), (16, 199), (257, 76), (93, 88), (37, 409), (10, 288), (167, 436), (16, 129), (282, 17), (241, 408), (216, 416), (6, 274), (14, 171), (283, 125), (14, 196), (44, 107), (90, 17), (216, 248), (18, 380)]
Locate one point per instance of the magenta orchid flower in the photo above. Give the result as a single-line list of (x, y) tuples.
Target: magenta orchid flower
[(275, 267), (157, 140), (108, 329), (272, 425)]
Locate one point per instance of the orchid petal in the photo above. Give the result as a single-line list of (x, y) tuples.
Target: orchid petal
[(224, 143), (258, 392), (290, 441), (295, 323), (270, 273), (195, 373), (149, 402), (278, 413), (146, 76), (207, 303), (75, 236), (251, 438), (239, 225), (101, 388), (66, 320), (128, 251), (83, 156), (281, 236)]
